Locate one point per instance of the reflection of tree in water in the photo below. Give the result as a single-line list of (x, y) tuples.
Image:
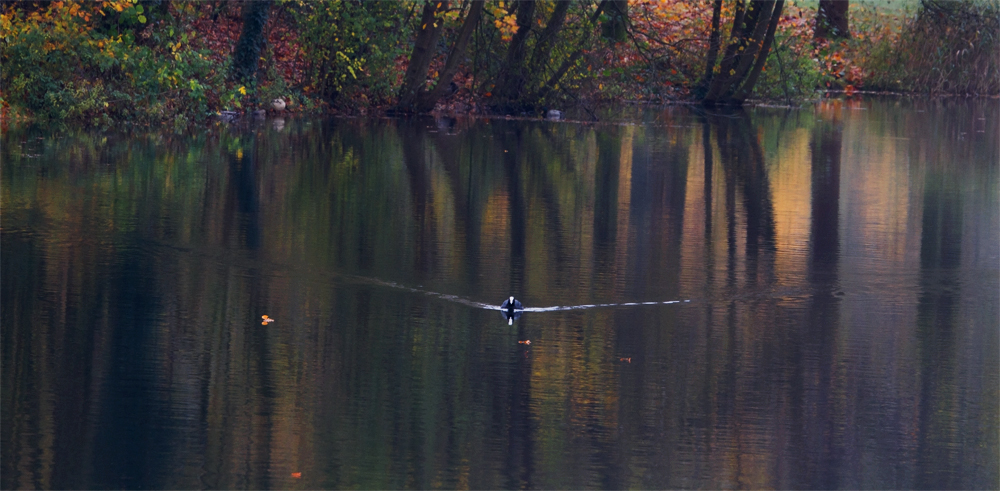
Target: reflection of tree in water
[(744, 166), (724, 412), (243, 199), (813, 354), (414, 140), (938, 455), (394, 391)]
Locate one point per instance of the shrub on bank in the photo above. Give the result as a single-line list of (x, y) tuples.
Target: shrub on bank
[(948, 47), (83, 61), (352, 48)]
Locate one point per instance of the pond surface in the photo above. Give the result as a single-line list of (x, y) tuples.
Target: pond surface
[(771, 299)]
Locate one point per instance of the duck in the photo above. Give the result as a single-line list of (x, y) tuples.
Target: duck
[(511, 304), (278, 104), (511, 309)]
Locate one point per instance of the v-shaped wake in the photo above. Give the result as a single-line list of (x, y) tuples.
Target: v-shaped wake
[(480, 305)]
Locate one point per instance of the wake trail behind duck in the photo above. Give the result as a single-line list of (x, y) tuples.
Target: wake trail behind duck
[(480, 305)]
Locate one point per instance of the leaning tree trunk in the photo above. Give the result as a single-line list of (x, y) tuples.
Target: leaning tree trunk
[(832, 19), (423, 53), (749, 44), (247, 50), (427, 99), (713, 48), (510, 83), (748, 83), (569, 62), (547, 38)]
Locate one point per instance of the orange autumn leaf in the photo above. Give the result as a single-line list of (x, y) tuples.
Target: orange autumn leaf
[(297, 475)]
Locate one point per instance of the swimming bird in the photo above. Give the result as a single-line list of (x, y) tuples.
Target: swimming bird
[(278, 104), (511, 309)]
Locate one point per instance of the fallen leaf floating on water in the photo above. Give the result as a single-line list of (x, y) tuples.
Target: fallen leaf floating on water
[(526, 341), (297, 475), (626, 360), (266, 320)]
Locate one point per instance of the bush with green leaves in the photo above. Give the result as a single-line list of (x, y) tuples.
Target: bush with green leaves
[(352, 47), (68, 61), (792, 73)]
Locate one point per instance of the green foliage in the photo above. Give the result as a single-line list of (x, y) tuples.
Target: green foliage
[(351, 47), (791, 74), (57, 65)]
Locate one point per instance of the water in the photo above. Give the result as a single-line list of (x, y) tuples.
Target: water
[(775, 299)]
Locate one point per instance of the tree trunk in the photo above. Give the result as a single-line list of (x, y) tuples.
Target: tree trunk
[(832, 19), (551, 83), (740, 95), (511, 80), (738, 53), (423, 53), (426, 100), (247, 50), (543, 47), (713, 46), (732, 46), (753, 33)]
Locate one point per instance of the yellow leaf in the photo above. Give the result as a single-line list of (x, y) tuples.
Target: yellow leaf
[(243, 90)]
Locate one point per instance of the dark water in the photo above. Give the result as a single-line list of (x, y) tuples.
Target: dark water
[(825, 283)]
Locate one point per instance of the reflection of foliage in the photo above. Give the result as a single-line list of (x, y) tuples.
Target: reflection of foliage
[(351, 379)]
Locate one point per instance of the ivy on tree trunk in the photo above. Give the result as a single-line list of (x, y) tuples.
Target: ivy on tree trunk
[(247, 51)]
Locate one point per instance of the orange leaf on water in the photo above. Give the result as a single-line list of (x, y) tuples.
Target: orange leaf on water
[(297, 475)]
